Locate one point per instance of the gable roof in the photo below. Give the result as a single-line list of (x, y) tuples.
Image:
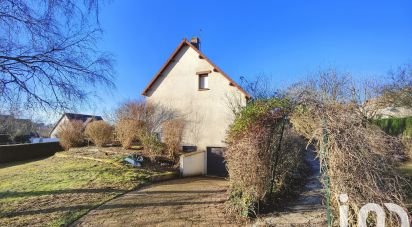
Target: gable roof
[(79, 117), (201, 55)]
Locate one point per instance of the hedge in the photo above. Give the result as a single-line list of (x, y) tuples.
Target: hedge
[(396, 126), (21, 152)]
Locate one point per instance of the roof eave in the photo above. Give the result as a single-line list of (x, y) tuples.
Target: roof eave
[(147, 88)]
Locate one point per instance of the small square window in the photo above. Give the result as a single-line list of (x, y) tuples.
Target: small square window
[(203, 82)]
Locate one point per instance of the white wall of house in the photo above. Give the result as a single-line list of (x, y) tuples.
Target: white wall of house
[(398, 112), (56, 130), (193, 164), (207, 112)]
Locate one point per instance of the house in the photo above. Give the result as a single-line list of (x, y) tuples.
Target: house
[(16, 130), (204, 96), (394, 112), (375, 108), (68, 117)]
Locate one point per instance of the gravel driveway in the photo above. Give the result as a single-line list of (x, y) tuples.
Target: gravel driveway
[(181, 202)]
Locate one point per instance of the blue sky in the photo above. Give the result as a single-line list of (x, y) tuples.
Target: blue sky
[(284, 39)]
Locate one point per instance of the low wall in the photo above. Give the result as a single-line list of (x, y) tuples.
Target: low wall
[(21, 152), (193, 164)]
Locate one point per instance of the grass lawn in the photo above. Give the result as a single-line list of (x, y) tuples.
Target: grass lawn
[(59, 189)]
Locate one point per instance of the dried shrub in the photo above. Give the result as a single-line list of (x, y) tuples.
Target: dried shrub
[(151, 144), (254, 157), (99, 132), (152, 115), (360, 157), (139, 120), (407, 141), (248, 164), (71, 134), (303, 123), (172, 132), (127, 131), (357, 157)]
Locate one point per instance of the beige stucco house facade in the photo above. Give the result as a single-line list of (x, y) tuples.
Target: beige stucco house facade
[(200, 93)]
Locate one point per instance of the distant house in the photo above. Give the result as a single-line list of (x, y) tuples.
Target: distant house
[(16, 130), (374, 108), (394, 112), (202, 94), (68, 117)]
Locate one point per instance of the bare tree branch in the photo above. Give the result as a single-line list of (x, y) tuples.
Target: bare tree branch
[(398, 93), (48, 53)]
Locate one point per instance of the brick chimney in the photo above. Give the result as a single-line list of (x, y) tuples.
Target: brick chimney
[(195, 41)]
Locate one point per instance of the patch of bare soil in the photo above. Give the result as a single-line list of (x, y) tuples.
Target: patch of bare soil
[(118, 154)]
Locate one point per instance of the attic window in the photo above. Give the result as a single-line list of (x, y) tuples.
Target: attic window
[(203, 82)]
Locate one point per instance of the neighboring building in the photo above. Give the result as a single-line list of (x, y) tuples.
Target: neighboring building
[(44, 129), (68, 117), (374, 108), (394, 112), (202, 94), (16, 130)]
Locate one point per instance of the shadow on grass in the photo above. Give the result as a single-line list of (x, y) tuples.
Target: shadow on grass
[(46, 211), (16, 163), (14, 194), (106, 207), (176, 192)]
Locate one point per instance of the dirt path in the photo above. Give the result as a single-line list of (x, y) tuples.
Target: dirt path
[(181, 202), (307, 209)]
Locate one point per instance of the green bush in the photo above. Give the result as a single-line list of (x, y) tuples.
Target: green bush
[(253, 112), (408, 129), (396, 126)]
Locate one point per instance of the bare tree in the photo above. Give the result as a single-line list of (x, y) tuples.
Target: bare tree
[(366, 95), (143, 121), (261, 87), (332, 86), (373, 96), (326, 85), (398, 92), (48, 53), (153, 115)]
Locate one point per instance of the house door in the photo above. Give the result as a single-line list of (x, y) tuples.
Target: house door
[(216, 164)]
